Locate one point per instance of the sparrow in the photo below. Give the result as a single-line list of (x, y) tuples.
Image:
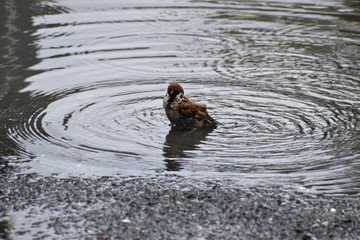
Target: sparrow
[(184, 113)]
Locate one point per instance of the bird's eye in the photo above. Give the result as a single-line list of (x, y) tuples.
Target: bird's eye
[(181, 95)]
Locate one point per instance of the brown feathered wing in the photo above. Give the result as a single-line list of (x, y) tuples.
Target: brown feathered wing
[(194, 110)]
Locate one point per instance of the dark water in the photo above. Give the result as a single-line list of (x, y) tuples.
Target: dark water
[(83, 81)]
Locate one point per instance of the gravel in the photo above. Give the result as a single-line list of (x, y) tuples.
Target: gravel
[(167, 207)]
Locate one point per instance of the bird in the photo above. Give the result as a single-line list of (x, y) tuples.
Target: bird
[(182, 112)]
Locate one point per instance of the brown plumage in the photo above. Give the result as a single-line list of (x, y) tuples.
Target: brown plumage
[(184, 113)]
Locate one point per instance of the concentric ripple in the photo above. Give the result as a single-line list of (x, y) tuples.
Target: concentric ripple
[(283, 80)]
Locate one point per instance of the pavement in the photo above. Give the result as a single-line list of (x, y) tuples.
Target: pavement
[(167, 206)]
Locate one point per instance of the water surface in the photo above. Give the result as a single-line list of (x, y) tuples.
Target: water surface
[(282, 77)]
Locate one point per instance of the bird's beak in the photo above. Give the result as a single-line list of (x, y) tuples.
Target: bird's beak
[(172, 94)]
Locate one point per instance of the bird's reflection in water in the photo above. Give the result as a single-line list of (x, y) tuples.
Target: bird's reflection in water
[(179, 143)]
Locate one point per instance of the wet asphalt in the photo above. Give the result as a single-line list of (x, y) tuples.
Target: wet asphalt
[(167, 207)]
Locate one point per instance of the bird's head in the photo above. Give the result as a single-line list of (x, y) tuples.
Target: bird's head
[(175, 92)]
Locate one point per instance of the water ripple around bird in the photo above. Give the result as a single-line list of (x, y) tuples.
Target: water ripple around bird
[(282, 78)]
